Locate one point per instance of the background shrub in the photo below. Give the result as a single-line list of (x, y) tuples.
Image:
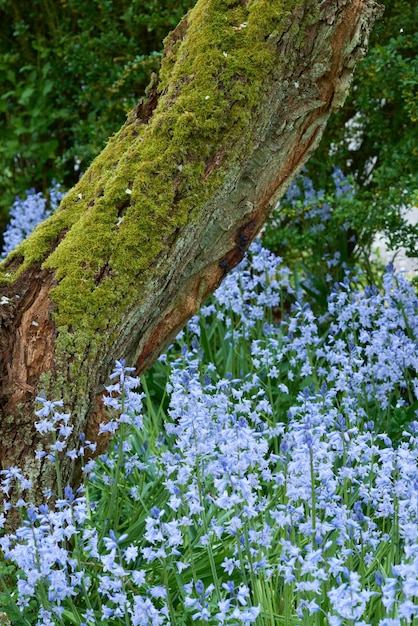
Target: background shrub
[(69, 72), (373, 138)]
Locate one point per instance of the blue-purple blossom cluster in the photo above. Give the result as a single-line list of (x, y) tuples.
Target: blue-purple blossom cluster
[(26, 214), (270, 495), (251, 292)]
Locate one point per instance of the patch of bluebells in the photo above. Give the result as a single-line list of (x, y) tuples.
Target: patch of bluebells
[(269, 492), (27, 213), (252, 292), (106, 565)]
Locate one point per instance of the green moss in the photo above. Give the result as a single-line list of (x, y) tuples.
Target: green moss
[(211, 86)]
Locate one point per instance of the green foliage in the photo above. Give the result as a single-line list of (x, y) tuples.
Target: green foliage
[(321, 235), (374, 136), (69, 73)]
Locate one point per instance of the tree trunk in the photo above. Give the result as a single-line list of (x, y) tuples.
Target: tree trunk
[(170, 205)]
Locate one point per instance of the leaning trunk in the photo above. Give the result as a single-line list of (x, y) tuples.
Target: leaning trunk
[(170, 205)]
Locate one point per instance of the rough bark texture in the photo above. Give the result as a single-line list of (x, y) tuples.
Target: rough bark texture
[(170, 205)]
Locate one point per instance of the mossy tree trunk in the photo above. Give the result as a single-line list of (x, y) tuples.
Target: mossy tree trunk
[(170, 205)]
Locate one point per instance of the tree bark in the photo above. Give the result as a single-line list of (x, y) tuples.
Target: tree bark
[(170, 205)]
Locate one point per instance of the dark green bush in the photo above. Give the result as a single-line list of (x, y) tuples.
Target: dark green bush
[(374, 137), (69, 72)]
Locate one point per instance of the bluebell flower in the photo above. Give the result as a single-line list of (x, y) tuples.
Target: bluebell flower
[(349, 600), (26, 214)]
